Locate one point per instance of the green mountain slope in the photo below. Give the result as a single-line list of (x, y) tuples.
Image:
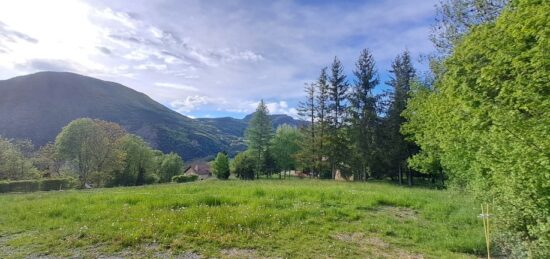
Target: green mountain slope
[(37, 106)]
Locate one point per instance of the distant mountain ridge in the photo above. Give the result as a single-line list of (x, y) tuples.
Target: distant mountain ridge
[(37, 106)]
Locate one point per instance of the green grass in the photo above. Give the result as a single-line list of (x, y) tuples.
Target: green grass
[(266, 218)]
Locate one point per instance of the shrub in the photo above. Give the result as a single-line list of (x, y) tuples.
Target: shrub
[(56, 184), (184, 178), (36, 185)]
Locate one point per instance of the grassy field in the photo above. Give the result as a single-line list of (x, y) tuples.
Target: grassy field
[(266, 218)]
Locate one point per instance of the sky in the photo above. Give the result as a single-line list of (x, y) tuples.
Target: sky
[(210, 58)]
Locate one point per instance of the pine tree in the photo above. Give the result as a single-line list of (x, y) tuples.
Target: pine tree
[(363, 112), (397, 148), (258, 135), (306, 110), (337, 138), (322, 100)]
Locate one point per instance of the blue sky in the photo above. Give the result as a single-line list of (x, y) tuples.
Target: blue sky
[(206, 58)]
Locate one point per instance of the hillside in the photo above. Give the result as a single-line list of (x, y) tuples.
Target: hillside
[(237, 127), (37, 106)]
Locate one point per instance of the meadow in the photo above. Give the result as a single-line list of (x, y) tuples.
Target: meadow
[(243, 219)]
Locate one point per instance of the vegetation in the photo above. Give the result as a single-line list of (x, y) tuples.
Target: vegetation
[(184, 178), (486, 123), (96, 152), (258, 136), (221, 166), (271, 218)]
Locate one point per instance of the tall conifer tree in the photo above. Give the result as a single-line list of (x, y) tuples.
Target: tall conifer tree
[(259, 134)]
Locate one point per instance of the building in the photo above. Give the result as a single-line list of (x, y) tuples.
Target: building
[(202, 170)]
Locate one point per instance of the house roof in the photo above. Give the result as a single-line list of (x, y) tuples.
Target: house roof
[(200, 169)]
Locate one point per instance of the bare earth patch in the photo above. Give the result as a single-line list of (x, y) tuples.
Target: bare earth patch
[(400, 213), (375, 245), (239, 253)]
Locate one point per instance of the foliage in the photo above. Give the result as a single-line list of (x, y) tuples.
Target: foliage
[(455, 18), (13, 163), (259, 134), (184, 178), (171, 165), (92, 146), (48, 184), (221, 166), (364, 114), (243, 166), (285, 146), (396, 148), (138, 163), (307, 110), (488, 121)]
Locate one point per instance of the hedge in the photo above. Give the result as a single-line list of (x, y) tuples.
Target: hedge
[(36, 185), (184, 178)]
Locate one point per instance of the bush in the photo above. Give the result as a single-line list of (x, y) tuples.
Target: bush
[(184, 178), (56, 184), (36, 185), (20, 186)]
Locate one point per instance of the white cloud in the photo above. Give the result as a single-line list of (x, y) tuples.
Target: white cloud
[(230, 53), (189, 104), (178, 86)]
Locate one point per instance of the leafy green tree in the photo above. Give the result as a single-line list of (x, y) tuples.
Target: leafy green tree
[(171, 165), (91, 147), (488, 121), (221, 166), (47, 160), (139, 165), (286, 146), (258, 135), (13, 164), (244, 165), (455, 18), (363, 111)]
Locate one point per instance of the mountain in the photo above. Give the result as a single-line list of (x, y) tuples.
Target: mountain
[(37, 106), (237, 127)]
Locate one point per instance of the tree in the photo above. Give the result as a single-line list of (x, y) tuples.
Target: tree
[(47, 160), (397, 148), (243, 166), (221, 166), (13, 164), (171, 165), (139, 165), (87, 144), (307, 110), (455, 18), (286, 146), (322, 101), (258, 135), (337, 143), (488, 121), (363, 111)]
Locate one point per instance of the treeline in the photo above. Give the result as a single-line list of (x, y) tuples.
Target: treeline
[(94, 152), (351, 131)]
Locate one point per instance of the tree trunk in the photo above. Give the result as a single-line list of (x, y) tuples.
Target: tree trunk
[(400, 176), (409, 177)]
